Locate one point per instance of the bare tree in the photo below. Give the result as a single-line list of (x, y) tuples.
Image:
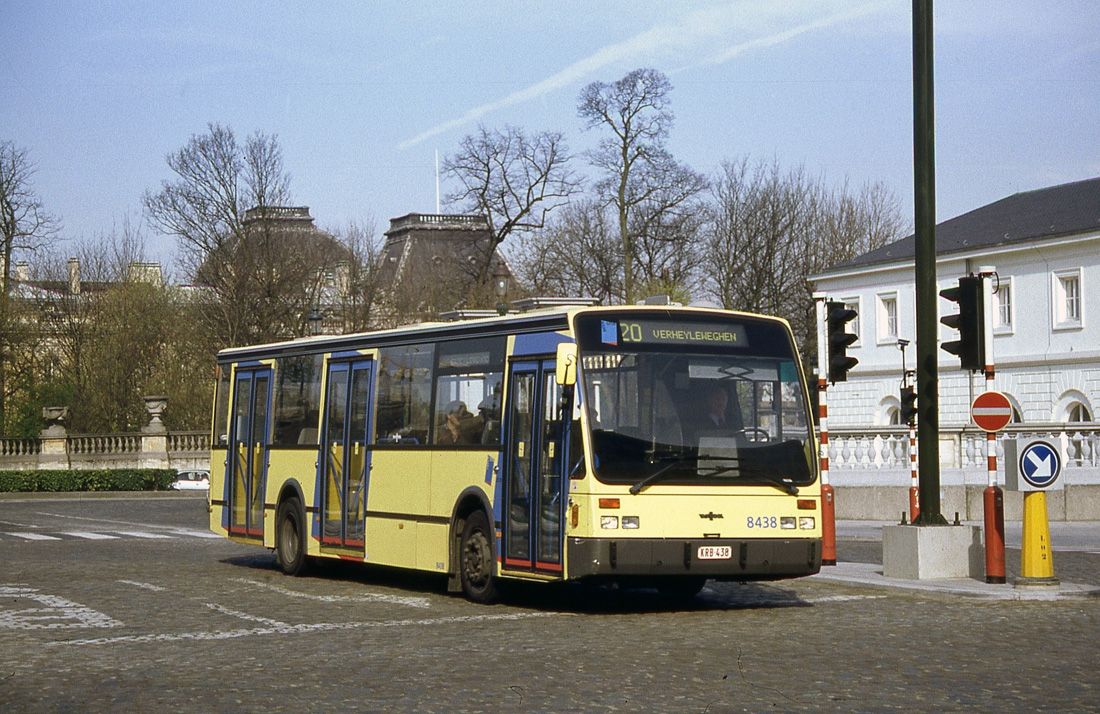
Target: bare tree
[(24, 226), (640, 178), (355, 287), (770, 229), (259, 276), (105, 332), (514, 179), (761, 217), (575, 254)]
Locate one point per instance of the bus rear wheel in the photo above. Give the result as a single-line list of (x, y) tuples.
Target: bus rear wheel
[(475, 560), (290, 537)]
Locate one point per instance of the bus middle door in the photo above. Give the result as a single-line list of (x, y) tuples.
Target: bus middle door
[(345, 459), (535, 458)]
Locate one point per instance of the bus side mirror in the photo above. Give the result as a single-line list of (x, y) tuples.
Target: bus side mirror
[(567, 363)]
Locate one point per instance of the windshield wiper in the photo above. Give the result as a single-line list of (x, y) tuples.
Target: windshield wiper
[(783, 485), (656, 475), (756, 474)]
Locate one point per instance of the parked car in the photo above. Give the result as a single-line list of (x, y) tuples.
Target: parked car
[(191, 480)]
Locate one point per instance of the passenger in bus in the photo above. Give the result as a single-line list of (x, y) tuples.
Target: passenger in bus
[(459, 426), (489, 413)]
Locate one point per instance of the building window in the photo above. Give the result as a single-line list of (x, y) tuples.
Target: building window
[(853, 326), (1003, 302), (888, 318), (1078, 412), (1067, 299)]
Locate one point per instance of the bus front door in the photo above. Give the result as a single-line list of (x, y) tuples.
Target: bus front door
[(345, 462), (247, 462), (535, 462)]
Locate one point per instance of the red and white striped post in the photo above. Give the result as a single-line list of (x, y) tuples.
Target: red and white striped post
[(993, 496), (914, 482), (828, 507)]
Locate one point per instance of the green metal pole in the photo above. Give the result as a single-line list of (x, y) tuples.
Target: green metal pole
[(924, 173)]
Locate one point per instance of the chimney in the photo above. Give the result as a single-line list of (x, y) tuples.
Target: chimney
[(22, 272), (74, 276)]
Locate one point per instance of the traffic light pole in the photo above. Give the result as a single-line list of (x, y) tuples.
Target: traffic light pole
[(924, 168), (993, 499), (908, 415), (828, 506)]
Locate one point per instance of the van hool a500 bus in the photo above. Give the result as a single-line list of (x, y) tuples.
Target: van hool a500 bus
[(652, 446)]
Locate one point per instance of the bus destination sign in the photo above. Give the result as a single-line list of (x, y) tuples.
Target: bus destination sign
[(655, 332)]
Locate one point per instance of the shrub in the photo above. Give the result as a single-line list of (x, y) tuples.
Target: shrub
[(87, 480)]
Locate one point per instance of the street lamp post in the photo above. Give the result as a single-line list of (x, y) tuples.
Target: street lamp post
[(315, 319)]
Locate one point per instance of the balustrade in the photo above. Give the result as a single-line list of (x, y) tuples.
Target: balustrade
[(881, 448), (188, 449), (20, 447)]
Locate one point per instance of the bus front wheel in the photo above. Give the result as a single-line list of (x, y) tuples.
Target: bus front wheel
[(290, 537), (476, 563)]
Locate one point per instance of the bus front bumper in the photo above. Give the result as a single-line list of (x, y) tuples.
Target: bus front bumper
[(749, 558)]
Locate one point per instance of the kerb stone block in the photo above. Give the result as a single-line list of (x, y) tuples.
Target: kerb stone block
[(932, 552)]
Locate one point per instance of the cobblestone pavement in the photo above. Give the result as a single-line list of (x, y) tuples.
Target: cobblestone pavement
[(102, 619)]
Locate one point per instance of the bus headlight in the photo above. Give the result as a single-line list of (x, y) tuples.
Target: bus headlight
[(788, 523), (609, 522), (631, 522), (806, 523)]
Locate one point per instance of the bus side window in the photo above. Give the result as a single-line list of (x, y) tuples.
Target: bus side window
[(469, 372), (404, 389)]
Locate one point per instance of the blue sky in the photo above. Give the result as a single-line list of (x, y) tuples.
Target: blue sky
[(362, 95)]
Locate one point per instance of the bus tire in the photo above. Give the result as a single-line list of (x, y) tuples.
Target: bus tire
[(476, 564), (290, 537)]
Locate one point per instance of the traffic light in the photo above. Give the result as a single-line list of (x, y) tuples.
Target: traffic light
[(908, 405), (837, 317), (970, 322)]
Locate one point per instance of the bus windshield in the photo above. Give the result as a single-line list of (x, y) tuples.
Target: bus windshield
[(708, 401)]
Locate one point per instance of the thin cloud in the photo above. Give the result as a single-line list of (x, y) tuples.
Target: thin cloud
[(698, 31), (777, 38)]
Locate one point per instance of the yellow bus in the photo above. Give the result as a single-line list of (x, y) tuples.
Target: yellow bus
[(650, 446)]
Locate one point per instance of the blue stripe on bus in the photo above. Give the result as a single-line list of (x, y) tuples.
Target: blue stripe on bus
[(538, 343), (498, 490)]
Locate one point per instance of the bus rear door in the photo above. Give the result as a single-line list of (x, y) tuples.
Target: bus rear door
[(249, 441)]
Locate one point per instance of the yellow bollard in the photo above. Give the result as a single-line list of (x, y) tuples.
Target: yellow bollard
[(1036, 560)]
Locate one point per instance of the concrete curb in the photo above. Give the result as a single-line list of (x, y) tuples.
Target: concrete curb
[(870, 575), (23, 496)]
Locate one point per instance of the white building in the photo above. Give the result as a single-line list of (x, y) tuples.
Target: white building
[(1045, 248)]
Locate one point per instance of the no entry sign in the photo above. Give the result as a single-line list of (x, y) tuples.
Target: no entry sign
[(991, 411)]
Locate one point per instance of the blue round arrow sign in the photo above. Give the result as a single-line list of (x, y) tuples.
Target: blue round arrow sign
[(1040, 464)]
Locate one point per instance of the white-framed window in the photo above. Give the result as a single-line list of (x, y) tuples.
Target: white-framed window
[(1078, 412), (853, 303), (886, 317), (1003, 322), (1067, 302)]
